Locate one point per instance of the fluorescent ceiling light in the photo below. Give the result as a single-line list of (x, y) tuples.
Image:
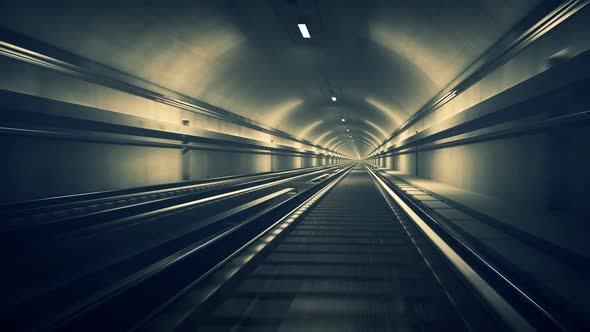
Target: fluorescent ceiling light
[(334, 98), (304, 31)]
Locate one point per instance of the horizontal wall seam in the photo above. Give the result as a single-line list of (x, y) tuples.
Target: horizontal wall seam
[(123, 83), (503, 53), (578, 119)]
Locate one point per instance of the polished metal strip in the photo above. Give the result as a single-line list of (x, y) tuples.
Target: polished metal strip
[(579, 118), (505, 310), (546, 24), (222, 273), (189, 104)]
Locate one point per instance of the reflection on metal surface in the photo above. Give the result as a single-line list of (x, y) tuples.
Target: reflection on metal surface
[(500, 109), (500, 55), (173, 99), (504, 309)]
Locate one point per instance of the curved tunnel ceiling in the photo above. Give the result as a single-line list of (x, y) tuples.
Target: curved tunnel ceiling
[(382, 59)]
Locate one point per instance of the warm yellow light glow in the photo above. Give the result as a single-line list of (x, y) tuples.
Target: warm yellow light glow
[(322, 136), (368, 143), (279, 112), (378, 128), (424, 56), (375, 140), (396, 117), (333, 141), (341, 146), (306, 130), (343, 143), (263, 163), (191, 66)]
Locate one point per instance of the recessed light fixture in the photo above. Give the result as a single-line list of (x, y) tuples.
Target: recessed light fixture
[(334, 98), (304, 31), (343, 120), (347, 130)]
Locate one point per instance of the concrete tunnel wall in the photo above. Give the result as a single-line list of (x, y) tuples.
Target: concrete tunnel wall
[(518, 170), (36, 167), (63, 167), (523, 169), (494, 167)]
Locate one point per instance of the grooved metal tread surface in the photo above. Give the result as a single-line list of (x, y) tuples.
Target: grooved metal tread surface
[(347, 266)]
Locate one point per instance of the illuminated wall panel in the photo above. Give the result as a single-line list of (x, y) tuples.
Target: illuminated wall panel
[(308, 161), (282, 161), (207, 164), (35, 168)]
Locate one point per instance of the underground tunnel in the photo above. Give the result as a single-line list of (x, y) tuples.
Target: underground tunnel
[(295, 165)]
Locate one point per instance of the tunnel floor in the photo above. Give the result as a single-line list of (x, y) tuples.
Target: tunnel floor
[(349, 265)]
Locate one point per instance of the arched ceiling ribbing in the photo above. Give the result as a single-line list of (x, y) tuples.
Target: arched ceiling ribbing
[(382, 59)]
